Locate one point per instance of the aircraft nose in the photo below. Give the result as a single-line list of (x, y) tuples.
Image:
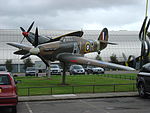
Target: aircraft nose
[(25, 34)]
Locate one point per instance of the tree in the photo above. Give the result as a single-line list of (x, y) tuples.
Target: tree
[(113, 59), (8, 64), (28, 63)]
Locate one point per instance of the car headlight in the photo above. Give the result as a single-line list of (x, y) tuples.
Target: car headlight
[(59, 70)]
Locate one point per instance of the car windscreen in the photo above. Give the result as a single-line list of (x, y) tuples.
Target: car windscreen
[(77, 67), (4, 80), (54, 66), (30, 69), (146, 68)]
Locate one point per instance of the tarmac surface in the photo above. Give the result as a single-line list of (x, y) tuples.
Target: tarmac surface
[(119, 102), (103, 105)]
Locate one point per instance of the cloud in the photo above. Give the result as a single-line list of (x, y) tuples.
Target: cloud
[(67, 14)]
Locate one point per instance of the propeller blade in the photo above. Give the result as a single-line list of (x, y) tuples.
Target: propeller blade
[(22, 29), (25, 56), (36, 38), (43, 60), (30, 27), (22, 40), (147, 25), (142, 28)]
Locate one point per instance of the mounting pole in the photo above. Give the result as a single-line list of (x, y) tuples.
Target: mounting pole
[(49, 73), (146, 12), (64, 74)]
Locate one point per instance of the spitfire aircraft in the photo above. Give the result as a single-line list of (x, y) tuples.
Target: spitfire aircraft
[(66, 48)]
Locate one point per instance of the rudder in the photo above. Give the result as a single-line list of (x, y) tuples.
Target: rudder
[(103, 38)]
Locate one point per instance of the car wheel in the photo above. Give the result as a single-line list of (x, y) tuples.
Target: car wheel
[(141, 90), (14, 109), (88, 72), (70, 73)]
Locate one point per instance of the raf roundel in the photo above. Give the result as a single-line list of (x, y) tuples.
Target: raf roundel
[(87, 47)]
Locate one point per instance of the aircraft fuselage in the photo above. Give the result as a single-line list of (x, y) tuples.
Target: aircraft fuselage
[(74, 45)]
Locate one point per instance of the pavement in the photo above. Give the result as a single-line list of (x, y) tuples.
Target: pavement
[(76, 96)]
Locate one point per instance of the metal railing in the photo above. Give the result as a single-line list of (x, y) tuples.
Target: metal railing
[(74, 89)]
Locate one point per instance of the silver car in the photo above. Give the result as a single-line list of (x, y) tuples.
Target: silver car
[(76, 69), (31, 71), (95, 70), (55, 69)]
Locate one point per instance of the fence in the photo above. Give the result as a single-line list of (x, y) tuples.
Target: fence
[(73, 89)]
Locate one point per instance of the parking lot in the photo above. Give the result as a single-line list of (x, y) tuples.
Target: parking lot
[(103, 105)]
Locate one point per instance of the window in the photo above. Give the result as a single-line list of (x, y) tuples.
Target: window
[(77, 67), (54, 66), (4, 80), (146, 68)]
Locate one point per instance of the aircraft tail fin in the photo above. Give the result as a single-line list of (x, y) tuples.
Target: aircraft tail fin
[(103, 39)]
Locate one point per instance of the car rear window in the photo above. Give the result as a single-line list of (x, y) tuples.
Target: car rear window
[(2, 69), (4, 80)]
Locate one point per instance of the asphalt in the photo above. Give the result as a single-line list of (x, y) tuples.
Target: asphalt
[(76, 96)]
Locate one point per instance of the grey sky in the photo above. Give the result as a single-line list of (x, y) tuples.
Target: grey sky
[(73, 15)]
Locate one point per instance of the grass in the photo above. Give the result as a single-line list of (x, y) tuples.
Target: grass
[(75, 84)]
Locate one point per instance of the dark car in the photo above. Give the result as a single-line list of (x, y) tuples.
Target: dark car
[(31, 71), (76, 69), (8, 92), (143, 81)]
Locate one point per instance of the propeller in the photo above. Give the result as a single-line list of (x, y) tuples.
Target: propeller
[(141, 33), (35, 50), (145, 46), (142, 36), (26, 33)]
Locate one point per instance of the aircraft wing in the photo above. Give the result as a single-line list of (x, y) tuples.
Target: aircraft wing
[(76, 33), (67, 57)]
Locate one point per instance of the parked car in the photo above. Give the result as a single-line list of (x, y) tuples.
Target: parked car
[(8, 92), (76, 69), (31, 71), (55, 69), (3, 68), (143, 81), (95, 70)]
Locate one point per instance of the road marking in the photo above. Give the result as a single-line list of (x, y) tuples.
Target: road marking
[(65, 95), (28, 107)]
